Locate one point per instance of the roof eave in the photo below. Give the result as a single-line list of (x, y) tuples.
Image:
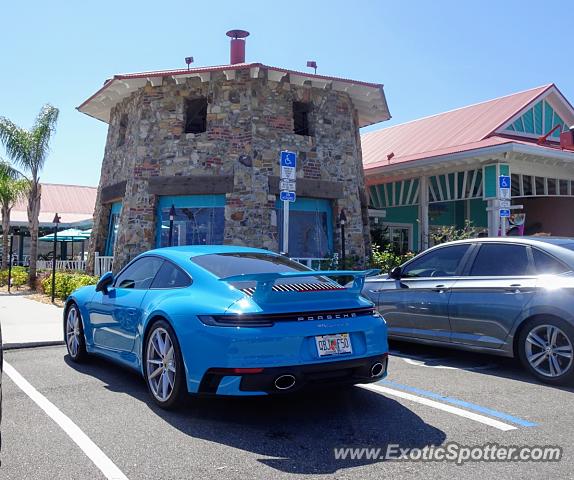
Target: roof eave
[(371, 108)]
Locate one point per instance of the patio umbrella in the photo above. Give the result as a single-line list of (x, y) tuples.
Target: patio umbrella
[(68, 235)]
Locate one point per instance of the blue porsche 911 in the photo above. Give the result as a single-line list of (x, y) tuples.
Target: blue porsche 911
[(228, 320)]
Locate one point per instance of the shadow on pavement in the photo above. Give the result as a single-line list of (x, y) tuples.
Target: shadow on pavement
[(482, 363), (299, 432)]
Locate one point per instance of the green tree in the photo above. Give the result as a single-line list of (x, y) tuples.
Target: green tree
[(12, 188), (28, 148)]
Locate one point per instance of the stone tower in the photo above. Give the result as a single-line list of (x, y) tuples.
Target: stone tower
[(205, 144)]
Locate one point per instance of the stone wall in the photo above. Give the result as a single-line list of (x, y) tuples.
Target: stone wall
[(249, 121)]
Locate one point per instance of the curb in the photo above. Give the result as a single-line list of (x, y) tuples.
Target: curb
[(15, 346)]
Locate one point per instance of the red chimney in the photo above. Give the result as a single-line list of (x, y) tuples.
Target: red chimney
[(237, 52)]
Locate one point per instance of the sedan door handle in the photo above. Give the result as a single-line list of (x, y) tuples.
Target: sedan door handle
[(514, 287), (440, 288)]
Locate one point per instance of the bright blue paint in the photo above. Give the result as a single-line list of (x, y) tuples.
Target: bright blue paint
[(288, 159), (304, 204), (184, 201), (461, 403), (504, 181), (114, 324), (192, 201), (287, 196), (538, 118), (115, 211)]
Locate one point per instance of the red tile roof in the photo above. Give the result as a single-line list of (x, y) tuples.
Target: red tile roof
[(74, 203), (455, 131)]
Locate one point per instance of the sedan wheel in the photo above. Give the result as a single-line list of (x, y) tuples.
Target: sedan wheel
[(163, 366), (74, 334), (547, 350)]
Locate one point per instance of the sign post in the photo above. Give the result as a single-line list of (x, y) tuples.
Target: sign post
[(287, 189), (504, 196)]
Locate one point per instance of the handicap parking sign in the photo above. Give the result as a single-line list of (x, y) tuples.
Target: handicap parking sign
[(288, 159), (504, 181)]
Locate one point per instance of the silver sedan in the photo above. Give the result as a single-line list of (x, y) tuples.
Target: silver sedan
[(505, 296)]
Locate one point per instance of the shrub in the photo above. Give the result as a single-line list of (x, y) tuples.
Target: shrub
[(19, 277), (66, 283), (386, 259), (451, 233)]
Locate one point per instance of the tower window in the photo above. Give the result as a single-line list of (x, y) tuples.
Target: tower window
[(123, 130), (196, 115), (301, 113)]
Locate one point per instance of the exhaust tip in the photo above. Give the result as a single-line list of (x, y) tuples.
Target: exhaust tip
[(285, 382), (377, 369)]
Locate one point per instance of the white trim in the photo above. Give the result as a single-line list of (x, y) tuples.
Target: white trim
[(438, 183), (431, 190), (402, 192), (412, 182)]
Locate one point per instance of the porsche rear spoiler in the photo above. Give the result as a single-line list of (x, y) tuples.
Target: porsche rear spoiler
[(264, 282)]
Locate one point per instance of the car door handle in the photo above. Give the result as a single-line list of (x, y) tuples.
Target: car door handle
[(515, 288), (440, 288)]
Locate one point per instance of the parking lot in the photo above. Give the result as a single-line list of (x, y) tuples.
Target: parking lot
[(431, 397)]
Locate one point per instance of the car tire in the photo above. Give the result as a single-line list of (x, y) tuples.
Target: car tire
[(546, 349), (74, 334), (163, 366)]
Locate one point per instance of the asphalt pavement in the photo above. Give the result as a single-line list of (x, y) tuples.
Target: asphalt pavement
[(431, 397)]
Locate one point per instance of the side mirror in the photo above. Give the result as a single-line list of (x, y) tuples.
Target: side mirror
[(396, 273), (104, 282)]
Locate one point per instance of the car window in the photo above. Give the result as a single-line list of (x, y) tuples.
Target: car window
[(547, 264), (229, 264), (170, 276), (442, 262), (139, 274), (497, 260)]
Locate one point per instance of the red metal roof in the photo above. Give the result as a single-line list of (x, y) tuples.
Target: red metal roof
[(455, 131), (74, 203)]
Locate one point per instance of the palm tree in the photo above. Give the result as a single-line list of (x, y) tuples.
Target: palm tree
[(29, 149), (12, 188)]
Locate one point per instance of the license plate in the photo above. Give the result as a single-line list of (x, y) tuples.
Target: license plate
[(337, 344)]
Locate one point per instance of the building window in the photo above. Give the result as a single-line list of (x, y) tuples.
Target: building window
[(199, 220), (301, 117), (115, 212), (310, 228), (397, 236), (196, 115), (123, 130)]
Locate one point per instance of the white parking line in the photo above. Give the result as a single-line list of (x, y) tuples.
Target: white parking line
[(93, 452), (440, 406)]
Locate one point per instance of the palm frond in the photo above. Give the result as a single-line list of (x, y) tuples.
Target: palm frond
[(16, 141), (41, 134)]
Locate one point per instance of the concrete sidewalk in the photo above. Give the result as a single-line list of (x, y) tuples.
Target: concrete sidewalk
[(27, 323)]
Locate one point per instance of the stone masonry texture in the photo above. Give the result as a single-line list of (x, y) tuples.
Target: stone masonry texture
[(249, 121)]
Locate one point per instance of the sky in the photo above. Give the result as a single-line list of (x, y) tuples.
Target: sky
[(431, 56)]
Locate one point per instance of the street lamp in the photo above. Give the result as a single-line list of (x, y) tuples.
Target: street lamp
[(10, 261), (56, 222), (342, 222), (171, 219)]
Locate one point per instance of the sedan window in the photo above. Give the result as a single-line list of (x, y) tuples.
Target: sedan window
[(498, 260), (171, 276), (546, 264), (139, 274), (442, 262)]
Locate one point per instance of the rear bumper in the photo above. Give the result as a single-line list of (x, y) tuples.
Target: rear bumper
[(343, 372)]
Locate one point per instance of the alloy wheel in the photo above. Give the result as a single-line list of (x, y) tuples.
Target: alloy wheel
[(549, 351), (73, 331), (160, 364)]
